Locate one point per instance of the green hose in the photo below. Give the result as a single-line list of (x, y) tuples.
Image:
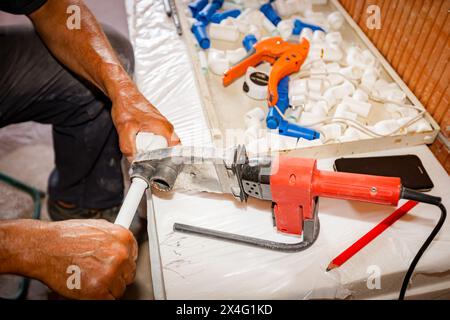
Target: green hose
[(36, 195)]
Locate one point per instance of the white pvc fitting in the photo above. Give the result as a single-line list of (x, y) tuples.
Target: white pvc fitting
[(360, 95), (332, 54), (386, 126), (334, 79), (254, 115), (223, 32), (230, 21), (369, 78), (253, 4), (269, 26), (331, 131), (255, 31), (395, 95), (343, 112), (298, 100), (285, 28), (407, 112), (335, 20), (317, 70), (286, 7), (315, 96), (256, 17), (243, 26), (319, 36), (303, 6), (354, 57), (352, 72), (316, 108), (368, 58), (309, 118), (350, 134), (330, 97), (234, 56), (217, 61), (307, 34), (319, 64), (338, 92), (322, 105), (298, 87), (420, 126), (360, 108), (334, 38), (382, 84), (333, 67), (293, 114), (315, 85), (315, 16)]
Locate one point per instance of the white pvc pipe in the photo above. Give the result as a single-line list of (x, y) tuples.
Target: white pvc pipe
[(131, 202)]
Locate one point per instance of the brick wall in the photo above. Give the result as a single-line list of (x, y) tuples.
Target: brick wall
[(414, 38)]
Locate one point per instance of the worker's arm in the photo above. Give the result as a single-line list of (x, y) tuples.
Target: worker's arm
[(88, 52), (56, 253)]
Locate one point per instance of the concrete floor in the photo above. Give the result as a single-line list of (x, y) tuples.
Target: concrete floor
[(26, 153)]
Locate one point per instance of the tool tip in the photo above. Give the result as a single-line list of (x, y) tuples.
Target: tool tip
[(331, 266)]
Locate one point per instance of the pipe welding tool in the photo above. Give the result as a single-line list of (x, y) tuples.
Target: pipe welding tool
[(294, 186)]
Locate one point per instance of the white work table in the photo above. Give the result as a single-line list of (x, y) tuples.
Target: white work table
[(201, 268), (191, 267)]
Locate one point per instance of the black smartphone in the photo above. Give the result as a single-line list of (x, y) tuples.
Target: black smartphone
[(408, 168)]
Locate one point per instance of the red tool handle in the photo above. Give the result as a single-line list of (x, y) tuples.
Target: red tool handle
[(296, 182), (359, 187)]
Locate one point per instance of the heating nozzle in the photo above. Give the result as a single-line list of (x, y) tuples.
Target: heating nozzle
[(160, 174)]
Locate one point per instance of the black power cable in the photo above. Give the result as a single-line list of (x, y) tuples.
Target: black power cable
[(424, 198)]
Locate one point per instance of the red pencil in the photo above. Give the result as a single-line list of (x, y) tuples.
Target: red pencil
[(369, 236)]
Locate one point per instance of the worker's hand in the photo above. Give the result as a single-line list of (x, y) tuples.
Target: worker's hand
[(132, 113), (99, 254)]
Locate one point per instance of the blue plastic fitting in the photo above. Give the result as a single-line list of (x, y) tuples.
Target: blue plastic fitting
[(299, 25), (197, 6), (219, 2), (273, 119), (285, 128), (199, 31), (219, 16), (248, 41), (270, 13), (293, 130), (208, 11)]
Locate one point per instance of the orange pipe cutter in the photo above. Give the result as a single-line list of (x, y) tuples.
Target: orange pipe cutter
[(285, 57)]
